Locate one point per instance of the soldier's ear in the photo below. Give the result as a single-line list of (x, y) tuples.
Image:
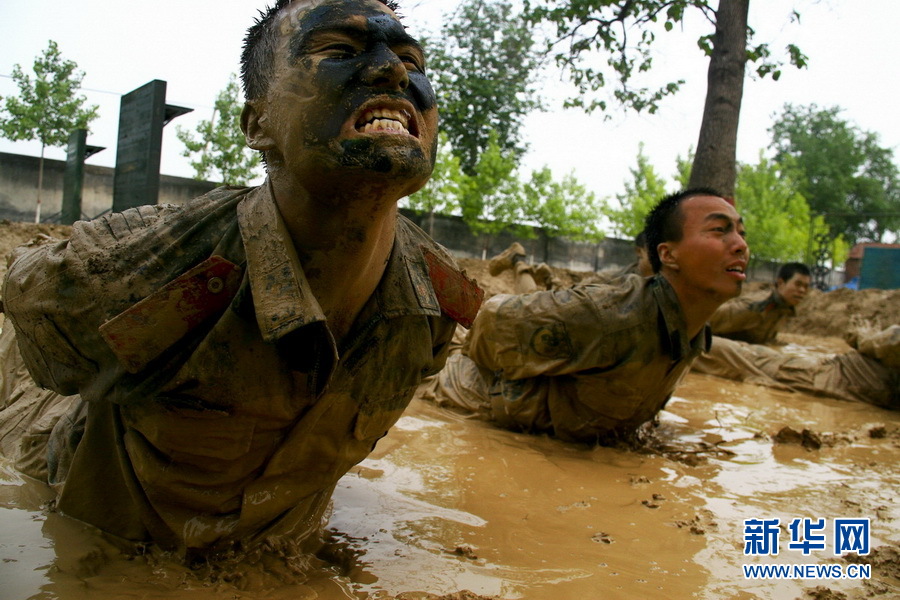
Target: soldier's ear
[(668, 255), (254, 125)]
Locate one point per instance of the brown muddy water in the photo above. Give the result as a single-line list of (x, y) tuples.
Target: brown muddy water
[(447, 504)]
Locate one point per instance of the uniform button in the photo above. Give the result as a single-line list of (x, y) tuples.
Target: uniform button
[(215, 285)]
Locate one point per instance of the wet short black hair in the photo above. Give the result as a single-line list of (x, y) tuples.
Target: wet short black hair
[(258, 54), (788, 270), (665, 223)]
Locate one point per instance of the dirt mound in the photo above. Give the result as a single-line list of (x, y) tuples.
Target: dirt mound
[(834, 313)]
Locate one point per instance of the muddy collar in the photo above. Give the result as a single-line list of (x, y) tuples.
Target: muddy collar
[(282, 298), (679, 346)]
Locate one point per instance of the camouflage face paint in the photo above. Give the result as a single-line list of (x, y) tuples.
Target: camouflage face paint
[(350, 86)]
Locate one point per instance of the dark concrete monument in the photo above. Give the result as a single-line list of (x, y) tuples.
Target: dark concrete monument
[(73, 178), (142, 116)]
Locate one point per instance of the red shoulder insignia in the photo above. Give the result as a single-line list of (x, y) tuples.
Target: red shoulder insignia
[(459, 296), (147, 329)]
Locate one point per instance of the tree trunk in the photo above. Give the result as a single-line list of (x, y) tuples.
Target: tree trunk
[(37, 208), (714, 164)]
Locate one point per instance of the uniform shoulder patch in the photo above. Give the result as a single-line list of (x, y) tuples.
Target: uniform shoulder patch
[(144, 331), (459, 296)]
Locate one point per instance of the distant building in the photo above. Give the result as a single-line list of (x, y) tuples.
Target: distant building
[(873, 265)]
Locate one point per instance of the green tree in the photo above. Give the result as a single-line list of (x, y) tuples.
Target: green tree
[(491, 199), (623, 33), (842, 171), (441, 194), (563, 208), (683, 165), (642, 193), (484, 69), (48, 108), (220, 145), (775, 213)]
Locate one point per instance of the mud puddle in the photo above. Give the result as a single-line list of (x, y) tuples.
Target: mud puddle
[(447, 504)]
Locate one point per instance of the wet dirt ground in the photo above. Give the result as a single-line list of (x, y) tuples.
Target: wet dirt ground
[(446, 504)]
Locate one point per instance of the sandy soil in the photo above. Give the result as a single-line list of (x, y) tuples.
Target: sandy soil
[(452, 508)]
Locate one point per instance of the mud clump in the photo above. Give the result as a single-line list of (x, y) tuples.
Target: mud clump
[(806, 438), (823, 593)]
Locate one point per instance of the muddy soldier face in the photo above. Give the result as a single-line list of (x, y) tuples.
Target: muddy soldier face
[(794, 290), (347, 101), (709, 261)]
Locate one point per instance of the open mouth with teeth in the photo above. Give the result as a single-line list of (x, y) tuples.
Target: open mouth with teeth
[(383, 120)]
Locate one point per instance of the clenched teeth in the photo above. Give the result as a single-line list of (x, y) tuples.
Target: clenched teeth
[(383, 120), (736, 269)]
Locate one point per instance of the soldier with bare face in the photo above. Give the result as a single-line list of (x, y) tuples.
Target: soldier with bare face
[(216, 367)]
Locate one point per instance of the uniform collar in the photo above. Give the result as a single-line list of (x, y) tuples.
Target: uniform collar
[(282, 299), (777, 301), (679, 346)]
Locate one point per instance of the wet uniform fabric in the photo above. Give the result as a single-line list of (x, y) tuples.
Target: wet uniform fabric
[(589, 363), (870, 374), (753, 318), (220, 407)]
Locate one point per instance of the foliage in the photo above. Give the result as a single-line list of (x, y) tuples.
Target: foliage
[(223, 153), (683, 165), (441, 194), (779, 222), (562, 208), (484, 69), (842, 171), (494, 198), (490, 199), (623, 32), (642, 193), (777, 216), (49, 108)]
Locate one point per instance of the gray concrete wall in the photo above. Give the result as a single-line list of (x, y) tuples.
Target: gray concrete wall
[(19, 188), (451, 232)]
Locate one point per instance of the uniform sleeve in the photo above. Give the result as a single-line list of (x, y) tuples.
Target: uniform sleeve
[(52, 312), (561, 331)]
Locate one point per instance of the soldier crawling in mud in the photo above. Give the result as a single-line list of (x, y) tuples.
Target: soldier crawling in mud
[(744, 329), (592, 363), (230, 359), (756, 318)]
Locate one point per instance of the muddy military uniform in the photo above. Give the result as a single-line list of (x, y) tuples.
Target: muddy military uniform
[(870, 373), (753, 318), (589, 363), (219, 405)]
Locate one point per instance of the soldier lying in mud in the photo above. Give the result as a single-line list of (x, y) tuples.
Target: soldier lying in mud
[(757, 317), (230, 359), (870, 372), (742, 329), (592, 363)]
